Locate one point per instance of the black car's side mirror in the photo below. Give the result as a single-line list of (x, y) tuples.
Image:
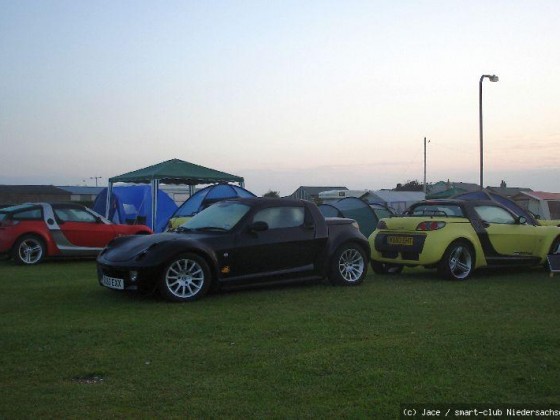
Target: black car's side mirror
[(258, 227)]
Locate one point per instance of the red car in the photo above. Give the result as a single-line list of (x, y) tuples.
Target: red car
[(32, 231)]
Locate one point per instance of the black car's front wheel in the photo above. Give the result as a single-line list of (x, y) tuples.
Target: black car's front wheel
[(457, 262), (348, 265), (185, 278)]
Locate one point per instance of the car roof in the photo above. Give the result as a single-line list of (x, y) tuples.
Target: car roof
[(267, 202)]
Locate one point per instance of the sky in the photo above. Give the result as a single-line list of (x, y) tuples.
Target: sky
[(284, 93)]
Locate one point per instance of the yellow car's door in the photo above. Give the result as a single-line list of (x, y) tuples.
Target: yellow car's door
[(507, 236)]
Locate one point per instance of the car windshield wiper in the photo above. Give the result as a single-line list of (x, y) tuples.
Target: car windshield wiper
[(211, 229), (182, 229)]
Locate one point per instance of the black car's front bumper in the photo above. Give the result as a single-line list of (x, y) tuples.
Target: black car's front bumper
[(132, 279)]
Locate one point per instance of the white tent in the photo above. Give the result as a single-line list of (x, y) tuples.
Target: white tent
[(543, 204)]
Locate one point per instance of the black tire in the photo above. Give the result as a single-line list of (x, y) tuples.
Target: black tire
[(386, 268), (185, 278), (29, 250), (554, 250), (348, 266), (458, 261)]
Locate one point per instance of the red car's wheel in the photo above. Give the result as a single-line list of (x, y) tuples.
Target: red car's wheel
[(29, 250)]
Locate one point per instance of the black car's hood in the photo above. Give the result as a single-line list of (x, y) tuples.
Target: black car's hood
[(130, 247)]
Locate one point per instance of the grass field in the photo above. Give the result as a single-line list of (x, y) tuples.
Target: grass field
[(70, 348)]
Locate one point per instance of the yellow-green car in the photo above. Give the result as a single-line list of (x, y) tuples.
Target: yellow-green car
[(457, 236)]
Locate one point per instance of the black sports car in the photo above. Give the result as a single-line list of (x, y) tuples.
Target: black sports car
[(238, 241)]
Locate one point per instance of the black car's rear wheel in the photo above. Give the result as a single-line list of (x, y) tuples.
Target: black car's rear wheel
[(348, 266), (457, 262), (554, 250), (29, 250), (185, 278)]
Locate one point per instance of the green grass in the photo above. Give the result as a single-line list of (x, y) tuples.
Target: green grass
[(70, 348)]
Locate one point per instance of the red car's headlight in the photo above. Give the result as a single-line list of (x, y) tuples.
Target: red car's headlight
[(428, 226)]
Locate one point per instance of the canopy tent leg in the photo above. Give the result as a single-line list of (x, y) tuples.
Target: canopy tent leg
[(108, 201), (155, 188)]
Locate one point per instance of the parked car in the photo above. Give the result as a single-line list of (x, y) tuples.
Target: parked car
[(238, 241), (458, 236), (32, 231)]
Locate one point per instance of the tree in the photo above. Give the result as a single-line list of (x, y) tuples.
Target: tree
[(272, 194), (410, 186)]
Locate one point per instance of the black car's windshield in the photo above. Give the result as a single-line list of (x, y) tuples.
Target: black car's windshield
[(222, 216), (439, 209)]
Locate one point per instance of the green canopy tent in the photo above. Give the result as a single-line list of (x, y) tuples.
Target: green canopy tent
[(174, 171)]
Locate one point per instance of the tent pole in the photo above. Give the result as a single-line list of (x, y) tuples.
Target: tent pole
[(108, 200), (154, 203)]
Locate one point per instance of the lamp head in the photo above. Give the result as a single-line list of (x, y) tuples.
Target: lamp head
[(493, 78)]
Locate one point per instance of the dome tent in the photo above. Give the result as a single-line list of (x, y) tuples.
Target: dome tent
[(133, 205), (353, 208), (204, 198), (209, 195)]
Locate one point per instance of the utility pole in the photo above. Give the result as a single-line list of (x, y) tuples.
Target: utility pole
[(96, 178), (425, 166)]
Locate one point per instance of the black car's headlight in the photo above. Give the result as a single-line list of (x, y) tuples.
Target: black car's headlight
[(145, 252)]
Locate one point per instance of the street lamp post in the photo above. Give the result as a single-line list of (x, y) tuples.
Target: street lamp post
[(492, 78), (96, 178)]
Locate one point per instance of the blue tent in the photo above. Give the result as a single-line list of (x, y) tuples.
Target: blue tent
[(133, 205), (209, 195)]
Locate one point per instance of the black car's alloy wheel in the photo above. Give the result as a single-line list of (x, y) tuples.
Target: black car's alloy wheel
[(185, 278), (457, 262), (348, 266), (29, 250)]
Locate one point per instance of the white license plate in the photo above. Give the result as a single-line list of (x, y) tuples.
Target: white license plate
[(112, 282)]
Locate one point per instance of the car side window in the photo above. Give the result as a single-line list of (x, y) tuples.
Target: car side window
[(74, 215), (442, 210), (31, 214), (493, 214), (281, 217)]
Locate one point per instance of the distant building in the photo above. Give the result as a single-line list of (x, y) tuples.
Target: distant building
[(312, 193), (18, 194), (506, 191), (82, 194), (444, 189), (333, 196)]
